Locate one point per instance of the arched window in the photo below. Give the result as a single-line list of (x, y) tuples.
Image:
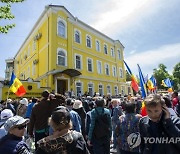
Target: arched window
[(61, 58), (61, 28), (105, 49), (77, 37)]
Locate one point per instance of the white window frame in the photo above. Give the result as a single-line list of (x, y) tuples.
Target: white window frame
[(121, 73), (116, 91), (90, 38), (33, 69), (106, 48), (114, 71), (99, 70), (80, 61), (91, 64), (90, 83), (75, 31), (98, 48), (81, 87), (102, 89), (65, 52), (108, 69), (112, 52), (119, 54), (108, 89), (59, 19)]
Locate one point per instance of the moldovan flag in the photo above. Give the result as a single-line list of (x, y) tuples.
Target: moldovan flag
[(16, 86), (143, 110), (134, 83)]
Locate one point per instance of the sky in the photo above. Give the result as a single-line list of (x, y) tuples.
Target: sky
[(148, 29)]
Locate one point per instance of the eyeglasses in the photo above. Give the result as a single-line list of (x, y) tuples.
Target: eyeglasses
[(21, 127)]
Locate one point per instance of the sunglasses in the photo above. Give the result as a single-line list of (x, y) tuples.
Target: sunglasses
[(21, 127)]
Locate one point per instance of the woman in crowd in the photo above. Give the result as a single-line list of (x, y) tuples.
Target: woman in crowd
[(63, 140)]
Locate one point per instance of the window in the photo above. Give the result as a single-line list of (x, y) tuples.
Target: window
[(77, 36), (99, 67), (78, 88), (28, 52), (119, 54), (100, 90), (114, 71), (61, 27), (90, 89), (108, 89), (129, 90), (33, 69), (112, 52), (105, 49), (89, 65), (28, 72), (122, 90), (97, 45), (61, 57), (107, 69), (121, 72), (88, 41), (78, 61), (116, 90), (34, 45)]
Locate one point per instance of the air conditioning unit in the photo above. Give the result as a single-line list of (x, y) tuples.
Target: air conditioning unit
[(21, 75), (35, 61), (25, 57), (38, 36)]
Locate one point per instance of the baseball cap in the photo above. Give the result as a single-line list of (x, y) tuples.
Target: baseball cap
[(6, 114), (24, 101), (14, 121), (77, 104)]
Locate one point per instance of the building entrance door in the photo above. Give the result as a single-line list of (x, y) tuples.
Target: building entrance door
[(61, 86)]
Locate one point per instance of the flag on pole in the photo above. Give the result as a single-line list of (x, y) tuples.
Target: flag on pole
[(151, 84), (16, 86), (167, 83), (134, 83), (142, 83)]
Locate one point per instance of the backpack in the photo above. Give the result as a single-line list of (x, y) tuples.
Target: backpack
[(102, 125)]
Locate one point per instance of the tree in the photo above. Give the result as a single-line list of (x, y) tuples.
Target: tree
[(5, 13), (176, 76), (128, 76), (161, 74)]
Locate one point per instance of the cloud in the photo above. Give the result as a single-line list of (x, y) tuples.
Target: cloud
[(132, 52), (148, 60)]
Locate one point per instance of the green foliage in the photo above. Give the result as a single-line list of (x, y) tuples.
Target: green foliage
[(176, 76), (5, 13), (161, 74)]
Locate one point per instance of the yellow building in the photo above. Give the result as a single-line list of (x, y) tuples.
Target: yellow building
[(64, 53)]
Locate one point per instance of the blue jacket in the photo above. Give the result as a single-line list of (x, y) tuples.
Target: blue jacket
[(29, 110), (76, 120), (11, 144)]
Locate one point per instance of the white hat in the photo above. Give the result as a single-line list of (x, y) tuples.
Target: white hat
[(77, 104), (6, 114), (14, 121), (24, 101), (9, 100)]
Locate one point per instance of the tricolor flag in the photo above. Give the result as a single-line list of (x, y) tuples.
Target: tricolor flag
[(134, 83), (151, 83), (167, 83), (16, 86), (142, 83), (143, 91)]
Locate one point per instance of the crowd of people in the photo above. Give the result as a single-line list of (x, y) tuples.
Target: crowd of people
[(58, 124)]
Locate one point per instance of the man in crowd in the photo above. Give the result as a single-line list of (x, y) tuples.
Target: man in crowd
[(159, 125)]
